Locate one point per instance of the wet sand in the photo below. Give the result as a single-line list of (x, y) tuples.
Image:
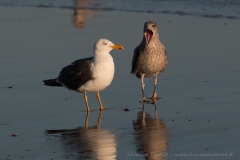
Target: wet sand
[(197, 115)]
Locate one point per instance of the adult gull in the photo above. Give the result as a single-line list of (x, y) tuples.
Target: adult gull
[(91, 74)]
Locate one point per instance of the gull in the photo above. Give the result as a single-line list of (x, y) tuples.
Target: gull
[(149, 58), (91, 74)]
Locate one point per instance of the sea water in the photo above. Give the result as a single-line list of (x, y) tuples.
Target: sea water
[(207, 8)]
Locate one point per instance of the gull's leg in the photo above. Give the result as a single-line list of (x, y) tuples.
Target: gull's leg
[(86, 101), (154, 95), (143, 85), (99, 100)]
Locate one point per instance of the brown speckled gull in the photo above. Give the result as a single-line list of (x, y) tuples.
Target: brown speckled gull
[(149, 58)]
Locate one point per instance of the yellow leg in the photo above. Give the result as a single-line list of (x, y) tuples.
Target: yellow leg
[(86, 101), (99, 100)]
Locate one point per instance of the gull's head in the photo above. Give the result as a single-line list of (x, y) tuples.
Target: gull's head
[(104, 45), (150, 29)]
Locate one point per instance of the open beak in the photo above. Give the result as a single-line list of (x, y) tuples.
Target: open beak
[(117, 46), (148, 34)]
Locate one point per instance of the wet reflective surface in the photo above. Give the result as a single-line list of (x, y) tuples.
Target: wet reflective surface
[(199, 89), (151, 135), (207, 8), (81, 13), (88, 142)]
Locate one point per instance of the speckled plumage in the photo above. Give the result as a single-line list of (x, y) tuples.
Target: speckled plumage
[(150, 57)]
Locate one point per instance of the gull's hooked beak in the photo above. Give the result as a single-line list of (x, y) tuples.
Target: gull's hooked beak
[(117, 46)]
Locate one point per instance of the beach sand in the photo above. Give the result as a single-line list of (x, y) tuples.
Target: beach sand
[(198, 113)]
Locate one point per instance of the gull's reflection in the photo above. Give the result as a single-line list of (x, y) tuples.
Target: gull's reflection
[(80, 12), (151, 135), (88, 142)]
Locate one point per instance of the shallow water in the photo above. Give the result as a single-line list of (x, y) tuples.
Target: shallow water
[(208, 8), (200, 88)]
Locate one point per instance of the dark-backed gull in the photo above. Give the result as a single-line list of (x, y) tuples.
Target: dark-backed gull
[(91, 74)]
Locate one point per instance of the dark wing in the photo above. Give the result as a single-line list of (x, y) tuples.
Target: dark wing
[(134, 60), (76, 74), (52, 82)]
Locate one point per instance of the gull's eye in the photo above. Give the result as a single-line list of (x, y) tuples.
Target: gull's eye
[(153, 25), (104, 43)]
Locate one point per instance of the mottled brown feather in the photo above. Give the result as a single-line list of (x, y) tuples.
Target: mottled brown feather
[(149, 58)]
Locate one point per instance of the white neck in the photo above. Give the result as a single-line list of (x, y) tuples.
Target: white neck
[(101, 56)]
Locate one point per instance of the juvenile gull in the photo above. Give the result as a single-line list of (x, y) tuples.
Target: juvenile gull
[(91, 74), (149, 58)]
